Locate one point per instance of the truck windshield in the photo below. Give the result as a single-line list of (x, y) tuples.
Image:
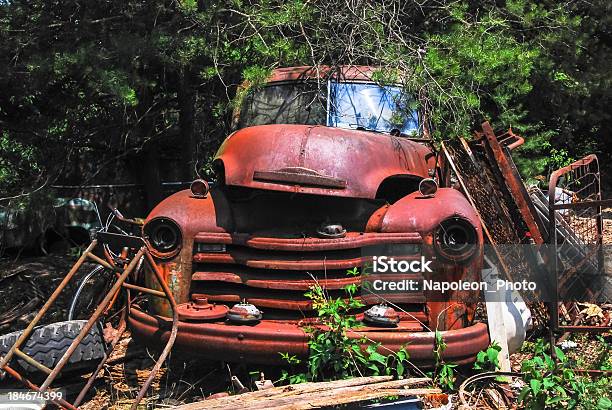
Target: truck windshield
[(289, 103), (351, 105), (371, 107)]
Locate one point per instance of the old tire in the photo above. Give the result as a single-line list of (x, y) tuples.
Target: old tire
[(48, 343)]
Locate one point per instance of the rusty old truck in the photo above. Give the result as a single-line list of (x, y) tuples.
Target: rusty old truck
[(324, 163)]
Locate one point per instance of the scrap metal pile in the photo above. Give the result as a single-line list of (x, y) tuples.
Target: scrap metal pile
[(560, 227), (23, 347)]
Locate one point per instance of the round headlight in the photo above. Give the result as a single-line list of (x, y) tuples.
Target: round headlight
[(164, 235), (456, 238)]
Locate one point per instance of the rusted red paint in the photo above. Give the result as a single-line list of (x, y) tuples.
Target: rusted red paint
[(362, 159), (415, 213), (245, 259), (289, 284), (358, 73), (261, 343)]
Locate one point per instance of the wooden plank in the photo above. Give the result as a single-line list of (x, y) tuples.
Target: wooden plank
[(298, 403), (309, 392)]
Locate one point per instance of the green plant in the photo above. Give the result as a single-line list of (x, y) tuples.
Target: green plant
[(554, 385), (444, 373), (333, 354), (488, 360)]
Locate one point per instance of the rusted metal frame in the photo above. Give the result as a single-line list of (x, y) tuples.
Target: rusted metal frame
[(28, 330), (578, 167), (92, 320), (315, 244), (53, 373), (117, 272), (527, 198), (511, 180), (112, 302), (577, 164), (120, 331), (175, 319), (27, 383), (114, 267), (473, 203), (107, 353)]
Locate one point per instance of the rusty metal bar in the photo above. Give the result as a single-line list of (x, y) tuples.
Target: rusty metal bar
[(520, 141), (173, 332), (101, 261), (107, 353), (585, 204), (92, 320), (585, 328), (26, 333), (32, 361), (15, 374), (512, 181), (145, 290)]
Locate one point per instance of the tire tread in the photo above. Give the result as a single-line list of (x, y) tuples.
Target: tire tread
[(48, 343)]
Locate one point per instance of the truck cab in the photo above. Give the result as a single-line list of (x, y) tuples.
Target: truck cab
[(327, 168)]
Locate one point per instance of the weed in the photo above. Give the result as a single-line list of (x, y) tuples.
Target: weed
[(444, 373), (333, 354)]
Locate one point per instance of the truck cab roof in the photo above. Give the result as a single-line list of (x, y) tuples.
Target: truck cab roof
[(346, 97)]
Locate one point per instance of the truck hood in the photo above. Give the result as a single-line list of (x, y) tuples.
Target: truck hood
[(319, 160)]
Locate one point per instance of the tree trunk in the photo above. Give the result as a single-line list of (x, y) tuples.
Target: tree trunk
[(150, 173), (186, 102)]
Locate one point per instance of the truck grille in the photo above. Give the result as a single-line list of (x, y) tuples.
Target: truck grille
[(274, 273)]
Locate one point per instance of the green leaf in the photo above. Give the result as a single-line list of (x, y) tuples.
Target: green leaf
[(524, 393), (560, 354), (377, 357), (554, 400), (535, 386), (604, 403), (492, 355)]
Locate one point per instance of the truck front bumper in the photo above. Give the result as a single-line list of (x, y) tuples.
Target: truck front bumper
[(264, 342)]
